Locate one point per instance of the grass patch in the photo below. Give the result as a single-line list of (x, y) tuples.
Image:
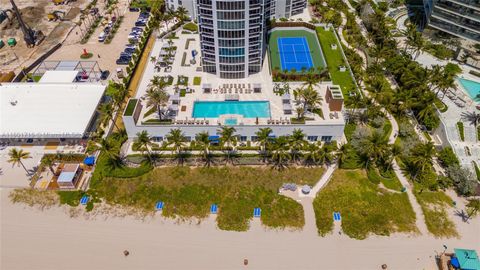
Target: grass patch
[(192, 27), (334, 60), (189, 192), (157, 122), (461, 131), (150, 111), (349, 130), (71, 198), (434, 205), (130, 107), (477, 170), (442, 107), (197, 80), (365, 208)]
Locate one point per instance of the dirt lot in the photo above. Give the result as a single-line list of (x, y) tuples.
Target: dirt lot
[(34, 14)]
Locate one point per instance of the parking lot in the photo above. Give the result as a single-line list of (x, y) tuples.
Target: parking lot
[(105, 54)]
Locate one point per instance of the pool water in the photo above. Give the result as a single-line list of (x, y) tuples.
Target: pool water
[(230, 121), (213, 109), (471, 87)]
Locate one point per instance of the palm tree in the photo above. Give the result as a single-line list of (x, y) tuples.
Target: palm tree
[(203, 141), (297, 142), (107, 113), (373, 147), (49, 161), (263, 137), (312, 154), (143, 142), (280, 152), (16, 157), (176, 138), (181, 14), (422, 156), (472, 117), (228, 139), (473, 208), (108, 148), (158, 98)]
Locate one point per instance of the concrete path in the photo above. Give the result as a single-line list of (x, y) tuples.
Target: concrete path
[(419, 217)]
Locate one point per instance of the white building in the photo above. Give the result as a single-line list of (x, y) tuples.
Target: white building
[(48, 110)]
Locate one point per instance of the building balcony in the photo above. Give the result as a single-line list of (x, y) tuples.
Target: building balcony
[(455, 20), (453, 29), (459, 11), (473, 4)]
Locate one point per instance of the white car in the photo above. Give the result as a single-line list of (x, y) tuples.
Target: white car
[(102, 36)]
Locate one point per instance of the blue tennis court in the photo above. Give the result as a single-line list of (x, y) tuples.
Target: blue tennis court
[(294, 53)]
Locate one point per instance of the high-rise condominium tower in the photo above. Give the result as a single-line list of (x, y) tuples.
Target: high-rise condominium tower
[(233, 33)]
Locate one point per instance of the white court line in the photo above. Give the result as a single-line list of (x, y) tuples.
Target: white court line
[(309, 58), (280, 45)]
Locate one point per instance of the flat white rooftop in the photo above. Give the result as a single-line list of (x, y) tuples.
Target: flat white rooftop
[(47, 110), (59, 76)]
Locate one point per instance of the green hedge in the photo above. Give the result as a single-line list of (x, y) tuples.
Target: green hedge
[(461, 130)]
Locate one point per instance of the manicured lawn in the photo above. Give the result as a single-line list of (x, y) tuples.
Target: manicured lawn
[(197, 80), (189, 192), (434, 206), (365, 208), (334, 60), (191, 27), (317, 57)]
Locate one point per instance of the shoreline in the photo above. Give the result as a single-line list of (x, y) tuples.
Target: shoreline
[(51, 239)]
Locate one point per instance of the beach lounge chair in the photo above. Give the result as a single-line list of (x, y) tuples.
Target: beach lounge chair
[(206, 122), (84, 200), (213, 209), (159, 206), (257, 212), (337, 216)]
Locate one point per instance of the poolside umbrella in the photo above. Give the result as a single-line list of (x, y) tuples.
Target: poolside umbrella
[(286, 96), (89, 161)]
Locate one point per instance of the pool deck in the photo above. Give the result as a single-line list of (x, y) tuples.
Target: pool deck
[(263, 79)]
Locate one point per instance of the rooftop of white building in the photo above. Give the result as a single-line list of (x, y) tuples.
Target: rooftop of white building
[(47, 110)]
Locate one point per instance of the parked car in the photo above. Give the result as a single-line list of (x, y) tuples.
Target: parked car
[(122, 61), (134, 9), (129, 50), (102, 37), (133, 36), (125, 54), (104, 74), (131, 46), (140, 23)]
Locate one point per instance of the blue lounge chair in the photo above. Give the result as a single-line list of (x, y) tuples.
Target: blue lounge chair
[(257, 212), (336, 216), (159, 206), (213, 209), (84, 200)]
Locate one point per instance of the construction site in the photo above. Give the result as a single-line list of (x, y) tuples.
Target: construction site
[(30, 29)]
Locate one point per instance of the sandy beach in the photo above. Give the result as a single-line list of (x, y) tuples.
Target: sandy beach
[(51, 239)]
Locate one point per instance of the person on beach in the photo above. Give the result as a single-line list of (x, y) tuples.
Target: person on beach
[(126, 253)]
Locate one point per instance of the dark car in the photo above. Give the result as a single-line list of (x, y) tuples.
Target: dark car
[(129, 50), (134, 9), (140, 23), (104, 74), (122, 61), (126, 54)]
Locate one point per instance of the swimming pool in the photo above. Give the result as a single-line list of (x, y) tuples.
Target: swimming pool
[(213, 109), (471, 87)]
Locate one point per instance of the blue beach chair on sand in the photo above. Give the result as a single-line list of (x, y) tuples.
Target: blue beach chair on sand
[(159, 206), (213, 209), (84, 200), (257, 212)]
